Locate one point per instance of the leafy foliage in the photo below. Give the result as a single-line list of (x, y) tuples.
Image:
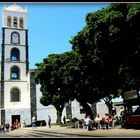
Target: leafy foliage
[(103, 61), (110, 44)]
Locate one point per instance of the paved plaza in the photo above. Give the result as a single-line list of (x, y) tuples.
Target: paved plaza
[(57, 131)]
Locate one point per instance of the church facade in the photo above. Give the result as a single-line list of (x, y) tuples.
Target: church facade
[(19, 95), (15, 74)]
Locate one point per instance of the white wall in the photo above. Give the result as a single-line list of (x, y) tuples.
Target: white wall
[(101, 108), (75, 106), (24, 95), (23, 112), (44, 111)]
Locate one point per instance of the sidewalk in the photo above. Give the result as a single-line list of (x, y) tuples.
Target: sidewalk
[(113, 132)]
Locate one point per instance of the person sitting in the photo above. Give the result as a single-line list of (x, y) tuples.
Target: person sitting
[(97, 121), (7, 126), (13, 126), (3, 127), (88, 122), (106, 120), (74, 123), (17, 124), (81, 123)]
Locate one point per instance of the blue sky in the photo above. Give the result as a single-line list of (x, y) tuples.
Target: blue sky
[(52, 25)]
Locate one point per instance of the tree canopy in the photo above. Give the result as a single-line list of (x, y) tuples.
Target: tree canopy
[(110, 44), (103, 62), (49, 75)]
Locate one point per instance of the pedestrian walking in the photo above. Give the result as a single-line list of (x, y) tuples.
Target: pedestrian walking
[(122, 118), (49, 121), (34, 122)]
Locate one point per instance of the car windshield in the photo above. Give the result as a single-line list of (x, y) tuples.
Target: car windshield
[(136, 111)]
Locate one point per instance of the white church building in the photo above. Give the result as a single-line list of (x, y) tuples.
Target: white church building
[(19, 95)]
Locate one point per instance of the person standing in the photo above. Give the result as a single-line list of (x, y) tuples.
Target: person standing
[(34, 122), (49, 121), (114, 120), (64, 120)]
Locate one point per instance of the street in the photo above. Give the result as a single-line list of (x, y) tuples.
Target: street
[(33, 133), (59, 132)]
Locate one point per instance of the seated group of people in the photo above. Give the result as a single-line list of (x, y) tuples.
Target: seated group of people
[(4, 127), (107, 121)]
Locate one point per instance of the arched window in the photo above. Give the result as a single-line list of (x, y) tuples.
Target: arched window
[(15, 73), (15, 22), (15, 38), (15, 95), (15, 54), (9, 21), (21, 22)]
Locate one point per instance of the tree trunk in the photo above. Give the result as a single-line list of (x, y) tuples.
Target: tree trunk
[(59, 114), (109, 105), (87, 109)]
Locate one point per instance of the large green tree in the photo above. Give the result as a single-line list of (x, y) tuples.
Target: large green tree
[(49, 74), (110, 44), (61, 79)]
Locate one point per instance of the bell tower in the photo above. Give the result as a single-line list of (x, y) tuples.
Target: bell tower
[(15, 80)]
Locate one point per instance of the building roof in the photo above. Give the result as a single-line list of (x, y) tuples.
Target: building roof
[(118, 103), (14, 7)]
